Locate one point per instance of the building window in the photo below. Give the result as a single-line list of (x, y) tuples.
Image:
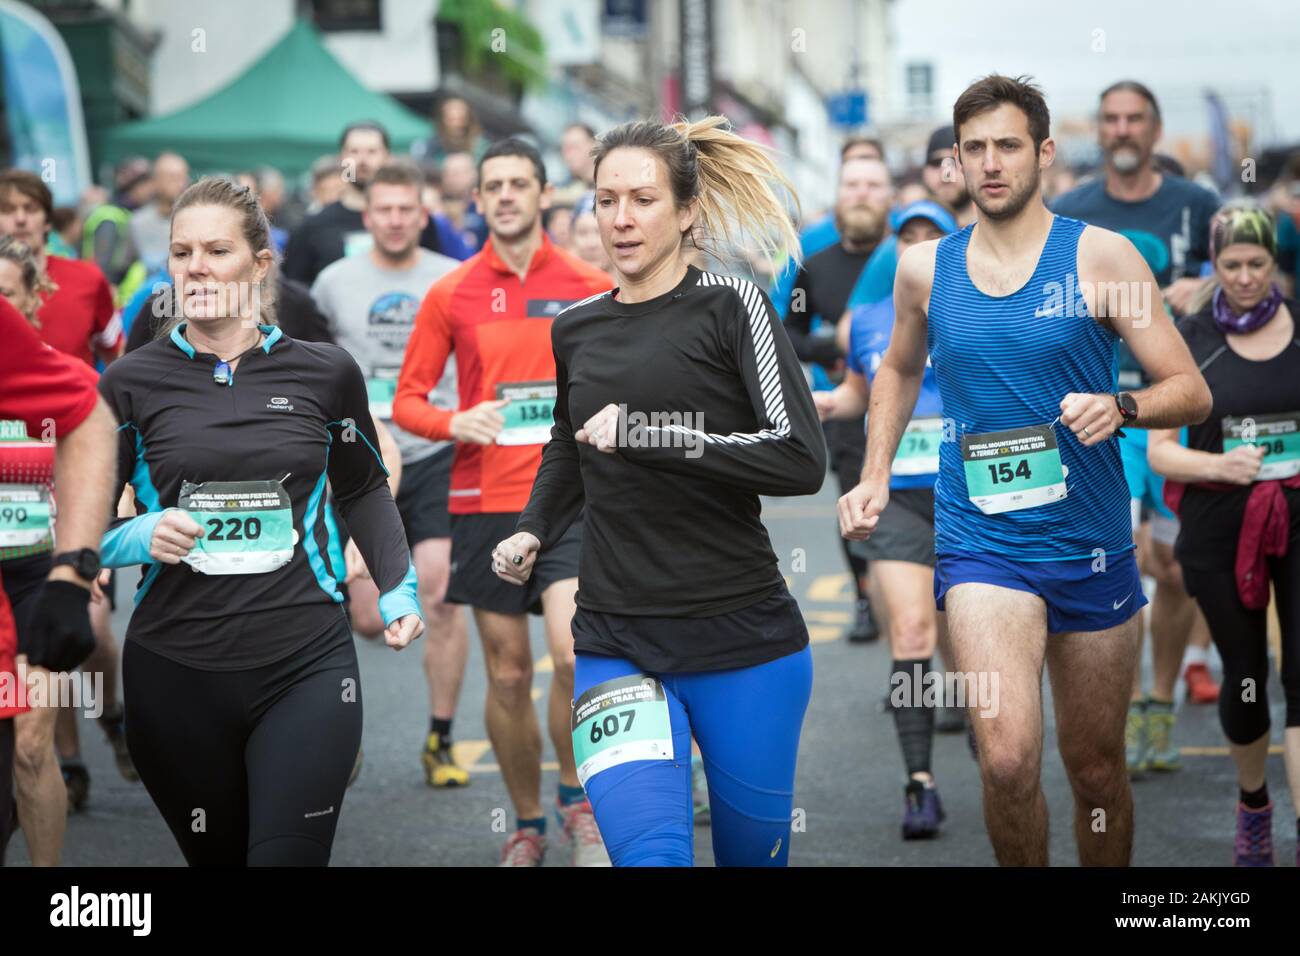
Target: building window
[(346, 14)]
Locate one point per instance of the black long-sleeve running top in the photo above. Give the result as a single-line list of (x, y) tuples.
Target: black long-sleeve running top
[(293, 415), (717, 412)]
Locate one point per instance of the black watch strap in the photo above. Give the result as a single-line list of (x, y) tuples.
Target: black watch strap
[(85, 562)]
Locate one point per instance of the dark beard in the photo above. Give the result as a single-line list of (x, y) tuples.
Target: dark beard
[(1015, 203), (865, 233)]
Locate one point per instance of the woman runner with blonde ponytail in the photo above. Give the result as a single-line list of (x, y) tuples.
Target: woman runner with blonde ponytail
[(679, 400)]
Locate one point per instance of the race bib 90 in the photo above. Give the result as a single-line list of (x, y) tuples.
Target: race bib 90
[(26, 505), (619, 721), (25, 515), (1013, 470), (1278, 435), (247, 525)]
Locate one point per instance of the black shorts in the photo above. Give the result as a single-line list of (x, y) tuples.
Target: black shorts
[(472, 580), (23, 578), (8, 811), (422, 497), (110, 589), (846, 441), (905, 531)]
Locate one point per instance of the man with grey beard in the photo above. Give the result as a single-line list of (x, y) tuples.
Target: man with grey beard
[(1168, 219), (820, 297)]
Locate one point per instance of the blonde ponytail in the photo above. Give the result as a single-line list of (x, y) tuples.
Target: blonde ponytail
[(735, 181), (737, 177)]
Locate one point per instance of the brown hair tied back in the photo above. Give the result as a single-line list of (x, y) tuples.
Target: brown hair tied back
[(254, 226)]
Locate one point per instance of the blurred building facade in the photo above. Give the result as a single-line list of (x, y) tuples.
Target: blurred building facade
[(769, 65)]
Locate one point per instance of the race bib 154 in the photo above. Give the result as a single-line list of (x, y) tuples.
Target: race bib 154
[(1013, 470)]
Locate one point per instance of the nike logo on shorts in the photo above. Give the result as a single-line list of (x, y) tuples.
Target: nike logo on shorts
[(1119, 604)]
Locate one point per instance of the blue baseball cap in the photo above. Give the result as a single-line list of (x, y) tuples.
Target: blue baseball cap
[(926, 209)]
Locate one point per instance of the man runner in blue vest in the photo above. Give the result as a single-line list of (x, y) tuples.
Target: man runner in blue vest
[(1020, 313)]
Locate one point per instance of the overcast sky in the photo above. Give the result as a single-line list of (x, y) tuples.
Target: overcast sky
[(1242, 48)]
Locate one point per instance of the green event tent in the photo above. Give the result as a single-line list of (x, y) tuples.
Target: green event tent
[(286, 111)]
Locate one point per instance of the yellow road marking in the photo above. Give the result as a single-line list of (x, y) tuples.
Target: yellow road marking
[(469, 752), (545, 666), (537, 693), (820, 634), (494, 768), (466, 753), (832, 587), (827, 617)]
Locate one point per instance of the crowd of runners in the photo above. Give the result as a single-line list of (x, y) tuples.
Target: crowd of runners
[(457, 390)]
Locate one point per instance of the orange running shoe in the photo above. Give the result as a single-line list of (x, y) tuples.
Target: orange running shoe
[(1201, 688)]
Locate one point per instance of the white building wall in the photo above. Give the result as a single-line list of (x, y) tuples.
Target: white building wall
[(402, 57), (205, 45), (1246, 48)]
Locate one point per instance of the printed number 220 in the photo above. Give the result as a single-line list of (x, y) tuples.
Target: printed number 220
[(237, 529), (609, 726)]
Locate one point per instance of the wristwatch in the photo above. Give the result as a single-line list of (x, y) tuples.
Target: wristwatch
[(84, 562), (1128, 410)]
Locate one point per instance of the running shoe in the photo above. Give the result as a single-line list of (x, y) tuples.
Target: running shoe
[(922, 811), (578, 824), (113, 725), (864, 629), (525, 847), (1201, 687), (440, 767), (1136, 744), (1162, 755), (699, 793), (1254, 844), (77, 779)]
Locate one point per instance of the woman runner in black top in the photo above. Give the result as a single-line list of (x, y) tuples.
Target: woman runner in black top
[(679, 400), (243, 705), (1239, 480)]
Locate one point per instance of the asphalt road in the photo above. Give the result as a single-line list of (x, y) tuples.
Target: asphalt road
[(850, 776)]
